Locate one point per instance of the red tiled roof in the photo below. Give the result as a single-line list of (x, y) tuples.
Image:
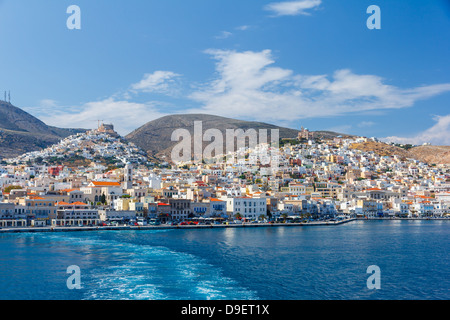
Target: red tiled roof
[(78, 203), (36, 198), (106, 184), (62, 203), (422, 197)]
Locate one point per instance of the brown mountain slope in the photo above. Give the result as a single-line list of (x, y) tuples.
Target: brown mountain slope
[(21, 132), (15, 119), (15, 143), (427, 154), (155, 136), (432, 154), (382, 149)]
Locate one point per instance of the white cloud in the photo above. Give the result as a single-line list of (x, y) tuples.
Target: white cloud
[(438, 134), (116, 109), (157, 82), (126, 116), (45, 106), (224, 35), (365, 124), (47, 103), (292, 8), (346, 128), (248, 85), (242, 28)]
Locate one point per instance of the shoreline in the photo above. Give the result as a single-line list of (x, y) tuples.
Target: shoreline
[(243, 225), (163, 227), (401, 219)]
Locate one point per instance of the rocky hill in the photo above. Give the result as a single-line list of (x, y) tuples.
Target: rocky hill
[(21, 132), (427, 154), (381, 148), (432, 154), (81, 149), (155, 136)]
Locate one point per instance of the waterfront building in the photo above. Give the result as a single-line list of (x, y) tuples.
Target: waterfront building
[(180, 209), (95, 189), (7, 211), (77, 213), (39, 208), (116, 215), (250, 208)]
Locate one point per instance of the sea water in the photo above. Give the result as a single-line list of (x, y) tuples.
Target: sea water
[(270, 263)]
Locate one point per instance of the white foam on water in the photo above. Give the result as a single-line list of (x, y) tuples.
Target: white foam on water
[(141, 271)]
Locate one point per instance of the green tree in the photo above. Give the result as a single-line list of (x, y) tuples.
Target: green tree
[(269, 214), (9, 188)]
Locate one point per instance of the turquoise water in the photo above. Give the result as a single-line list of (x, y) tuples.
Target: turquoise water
[(287, 263)]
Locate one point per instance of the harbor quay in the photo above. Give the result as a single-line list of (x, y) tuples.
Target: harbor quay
[(332, 222), (161, 227)]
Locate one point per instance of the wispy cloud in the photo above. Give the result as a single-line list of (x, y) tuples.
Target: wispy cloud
[(48, 103), (365, 124), (45, 106), (345, 128), (292, 8), (438, 134), (157, 82), (243, 28), (125, 115), (248, 85), (224, 35)]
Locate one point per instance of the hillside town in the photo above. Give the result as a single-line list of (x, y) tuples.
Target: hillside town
[(315, 180), (102, 143)]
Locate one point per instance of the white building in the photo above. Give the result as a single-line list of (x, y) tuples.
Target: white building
[(250, 208), (297, 189), (7, 211), (113, 215), (400, 208)]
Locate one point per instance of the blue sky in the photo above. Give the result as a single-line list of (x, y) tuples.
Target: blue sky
[(310, 62)]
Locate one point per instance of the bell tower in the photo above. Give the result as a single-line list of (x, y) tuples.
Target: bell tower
[(128, 176)]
